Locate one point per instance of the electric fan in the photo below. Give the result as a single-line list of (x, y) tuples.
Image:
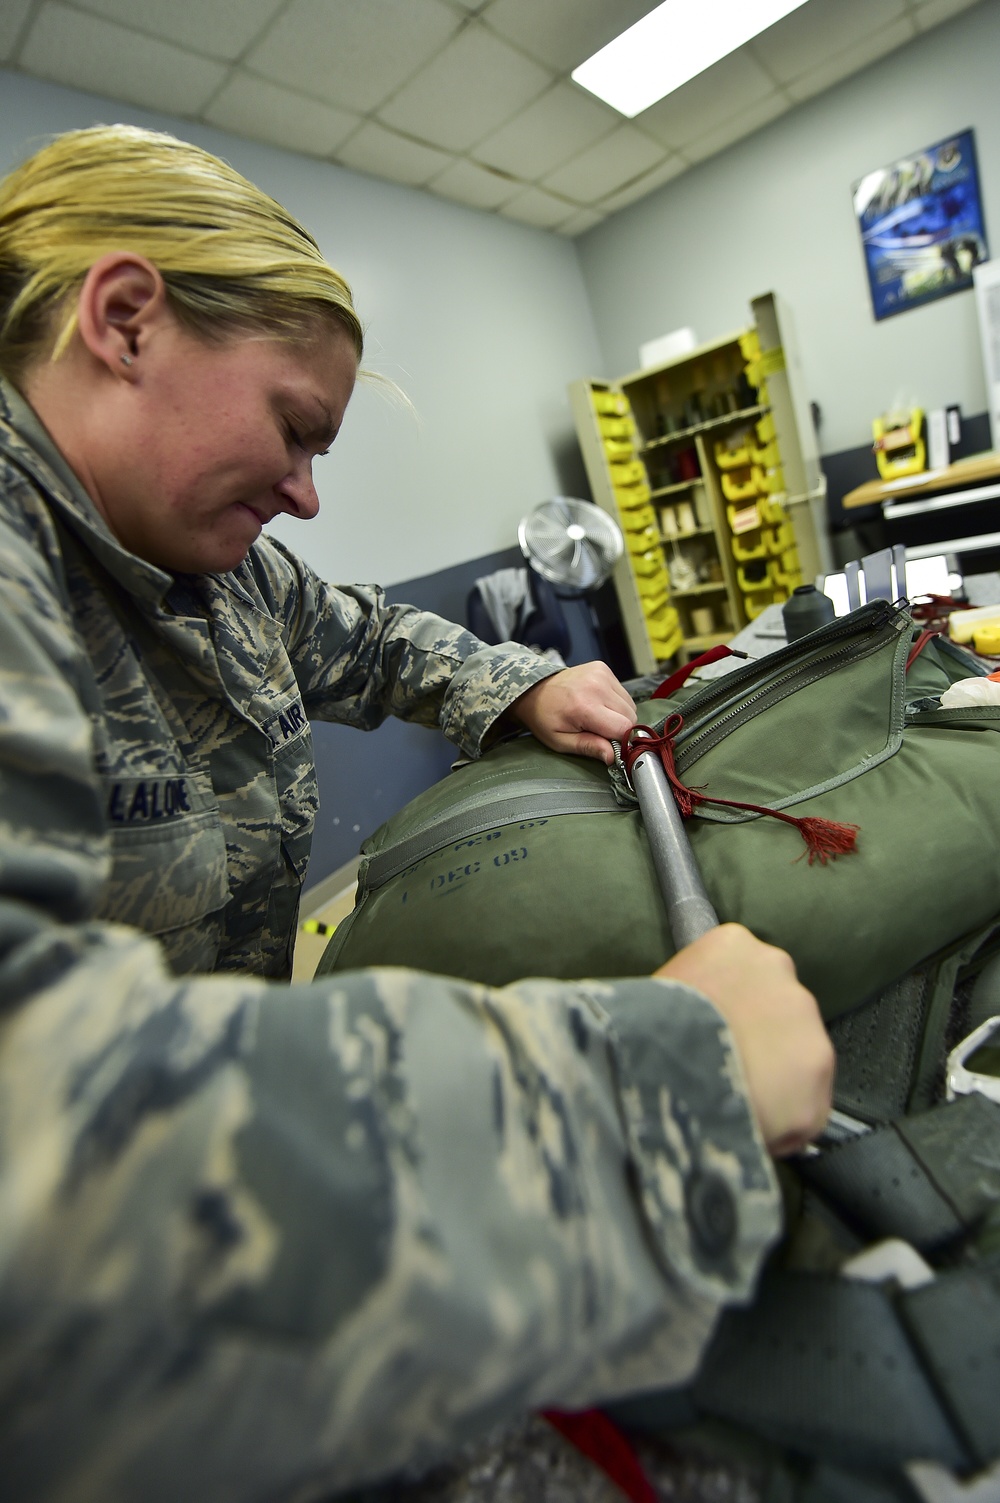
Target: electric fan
[(573, 544)]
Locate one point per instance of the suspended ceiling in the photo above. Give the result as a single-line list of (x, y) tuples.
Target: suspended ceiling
[(468, 99)]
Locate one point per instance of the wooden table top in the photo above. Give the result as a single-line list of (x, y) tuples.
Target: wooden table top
[(977, 468)]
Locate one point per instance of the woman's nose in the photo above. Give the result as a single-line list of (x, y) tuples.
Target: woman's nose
[(299, 492)]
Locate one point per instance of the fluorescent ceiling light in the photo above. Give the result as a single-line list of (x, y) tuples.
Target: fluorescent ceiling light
[(675, 42)]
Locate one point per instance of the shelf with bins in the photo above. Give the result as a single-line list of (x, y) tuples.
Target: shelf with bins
[(620, 484), (718, 445)]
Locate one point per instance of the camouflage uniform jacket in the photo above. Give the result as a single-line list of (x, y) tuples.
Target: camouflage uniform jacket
[(258, 1242)]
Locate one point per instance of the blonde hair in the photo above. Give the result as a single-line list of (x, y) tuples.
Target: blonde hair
[(232, 259)]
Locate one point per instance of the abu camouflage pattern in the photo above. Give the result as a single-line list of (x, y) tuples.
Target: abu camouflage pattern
[(260, 1241), (200, 690)]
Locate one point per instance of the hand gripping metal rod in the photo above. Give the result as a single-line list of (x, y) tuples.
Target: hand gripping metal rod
[(689, 910)]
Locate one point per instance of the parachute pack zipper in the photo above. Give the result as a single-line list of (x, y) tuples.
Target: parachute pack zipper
[(714, 712)]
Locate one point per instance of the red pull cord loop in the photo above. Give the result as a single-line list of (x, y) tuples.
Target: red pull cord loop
[(825, 839)]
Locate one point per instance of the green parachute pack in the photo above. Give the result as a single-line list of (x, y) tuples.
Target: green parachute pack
[(532, 863), (836, 1385)]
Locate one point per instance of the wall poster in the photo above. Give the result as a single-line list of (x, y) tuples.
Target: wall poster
[(921, 222)]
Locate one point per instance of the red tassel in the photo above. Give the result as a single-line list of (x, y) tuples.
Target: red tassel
[(599, 1439), (825, 839)]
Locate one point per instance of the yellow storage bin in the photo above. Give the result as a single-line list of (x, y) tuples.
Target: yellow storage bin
[(786, 583), (749, 545), (790, 562), (666, 643), (619, 448), (652, 605), (650, 584), (780, 538), (765, 457), (750, 344), (742, 488), (772, 513), (766, 431), (755, 604), (629, 472), (730, 458), (640, 518), (773, 480), (750, 578), (616, 427), (900, 445), (647, 564), (630, 496), (642, 540), (609, 403)]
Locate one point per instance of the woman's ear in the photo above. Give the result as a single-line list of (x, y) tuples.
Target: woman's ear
[(122, 299)]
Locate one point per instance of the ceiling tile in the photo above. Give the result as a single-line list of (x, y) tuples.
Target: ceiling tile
[(581, 222), (266, 112), (851, 61), (814, 34), (89, 53), (349, 54), (733, 84), (12, 18), (548, 132), (563, 33), (605, 166), (474, 185), (469, 89), (388, 154), (648, 183), (743, 124), (222, 29), (533, 206), (936, 11)]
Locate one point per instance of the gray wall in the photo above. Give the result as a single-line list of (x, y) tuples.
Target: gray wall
[(775, 213), (482, 321)]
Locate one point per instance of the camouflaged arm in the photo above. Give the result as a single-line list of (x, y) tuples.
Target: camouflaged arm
[(54, 855), (262, 1241), (358, 659)]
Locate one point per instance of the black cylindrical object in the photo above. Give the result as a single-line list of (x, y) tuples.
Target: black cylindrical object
[(806, 611)]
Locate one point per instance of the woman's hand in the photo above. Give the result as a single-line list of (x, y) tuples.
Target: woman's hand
[(579, 710), (788, 1059)]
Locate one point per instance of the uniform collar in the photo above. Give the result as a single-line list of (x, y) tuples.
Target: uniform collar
[(32, 448)]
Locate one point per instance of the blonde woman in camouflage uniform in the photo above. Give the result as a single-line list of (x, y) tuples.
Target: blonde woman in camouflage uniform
[(260, 1240)]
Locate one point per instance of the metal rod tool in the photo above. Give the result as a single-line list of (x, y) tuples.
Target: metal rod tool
[(689, 909)]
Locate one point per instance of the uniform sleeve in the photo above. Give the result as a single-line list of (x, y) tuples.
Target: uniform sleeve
[(359, 659), (258, 1241)]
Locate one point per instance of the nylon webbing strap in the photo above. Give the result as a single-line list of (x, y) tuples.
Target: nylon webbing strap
[(877, 1048), (538, 799), (856, 1177), (955, 1324), (823, 1365), (926, 1179)]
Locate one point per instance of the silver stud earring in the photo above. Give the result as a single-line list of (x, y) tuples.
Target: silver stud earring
[(126, 360)]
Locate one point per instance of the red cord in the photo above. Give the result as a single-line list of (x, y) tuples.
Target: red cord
[(825, 838), (599, 1439), (681, 675)]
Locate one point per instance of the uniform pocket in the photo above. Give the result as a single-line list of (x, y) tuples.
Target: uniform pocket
[(169, 868)]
